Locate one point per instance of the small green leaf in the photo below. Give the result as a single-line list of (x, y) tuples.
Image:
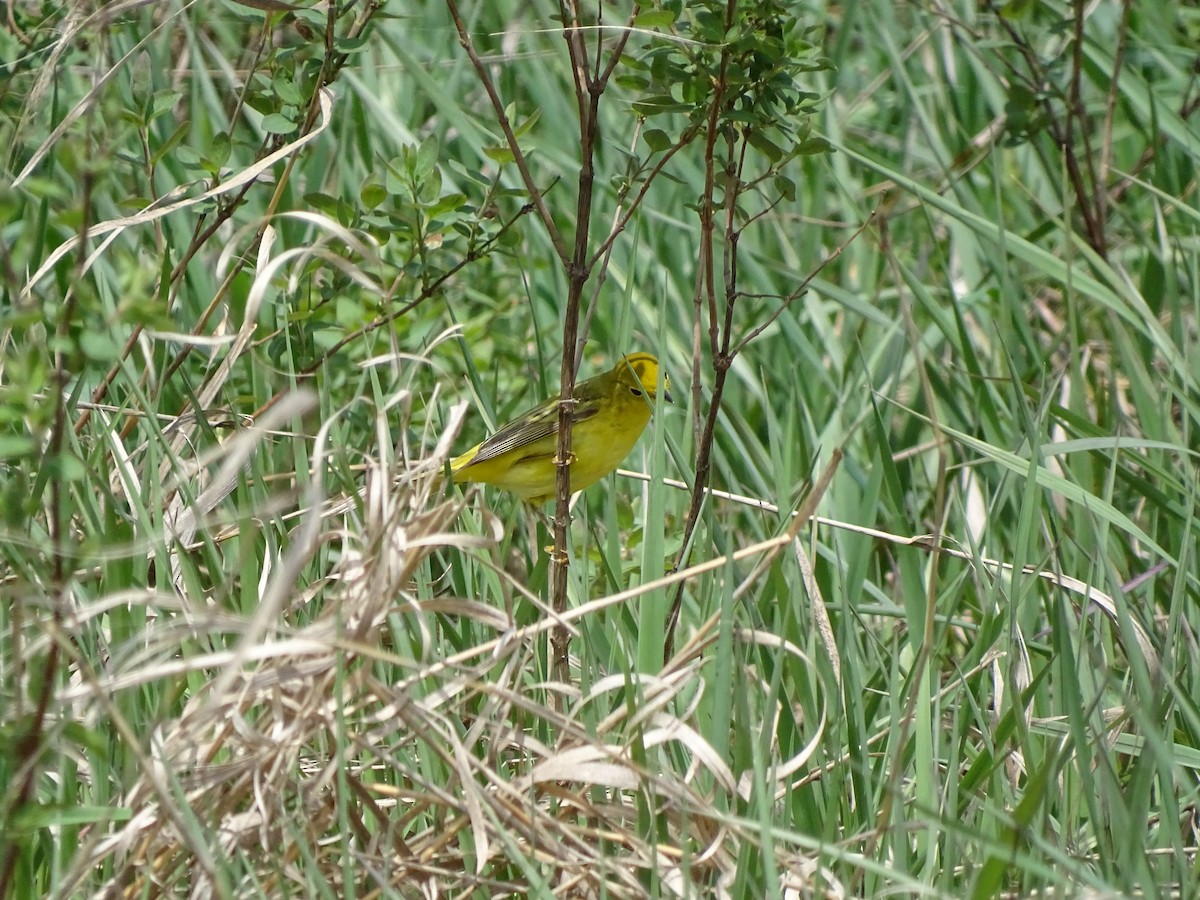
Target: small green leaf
[(431, 187), (657, 139), (34, 817), (350, 313), (326, 338), (655, 18), (99, 347), (663, 103), (14, 445), (322, 203), (277, 123), (172, 140), (67, 466), (426, 159), (764, 145), (528, 123), (813, 147), (186, 156), (1016, 9), (396, 183), (372, 194), (267, 5), (286, 90), (449, 203), (218, 150), (312, 17), (351, 45), (474, 175), (163, 102), (501, 155)]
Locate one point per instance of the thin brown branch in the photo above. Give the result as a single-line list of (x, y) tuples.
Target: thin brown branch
[(1035, 78), (578, 273), (705, 296), (802, 288), (688, 135), (510, 138), (1110, 108), (1092, 200)]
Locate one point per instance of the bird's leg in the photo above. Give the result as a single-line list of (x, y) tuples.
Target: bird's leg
[(532, 523)]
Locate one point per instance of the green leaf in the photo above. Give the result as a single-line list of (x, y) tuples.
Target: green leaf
[(657, 139), (350, 312), (633, 83), (396, 183), (529, 122), (218, 151), (1017, 9), (351, 45), (813, 147), (663, 103), (15, 445), (431, 187), (67, 466), (286, 90), (501, 155), (372, 193), (163, 102), (448, 203), (277, 123), (322, 203), (99, 347), (172, 140), (426, 159), (654, 18), (327, 338), (186, 155), (33, 817), (764, 145)]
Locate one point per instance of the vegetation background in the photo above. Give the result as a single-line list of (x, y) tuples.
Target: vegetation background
[(930, 270)]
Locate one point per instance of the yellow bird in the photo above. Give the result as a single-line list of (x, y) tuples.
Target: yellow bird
[(611, 412)]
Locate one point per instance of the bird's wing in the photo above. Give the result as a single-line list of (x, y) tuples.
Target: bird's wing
[(531, 426)]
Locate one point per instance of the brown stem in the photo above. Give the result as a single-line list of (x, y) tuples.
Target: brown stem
[(1090, 201), (587, 98), (588, 91), (1060, 133), (705, 291), (1110, 106), (535, 195)]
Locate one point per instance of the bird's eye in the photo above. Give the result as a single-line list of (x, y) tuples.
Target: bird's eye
[(635, 392)]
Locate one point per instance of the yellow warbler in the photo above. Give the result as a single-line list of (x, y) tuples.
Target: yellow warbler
[(611, 412)]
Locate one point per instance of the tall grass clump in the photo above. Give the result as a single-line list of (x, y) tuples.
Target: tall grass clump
[(899, 598)]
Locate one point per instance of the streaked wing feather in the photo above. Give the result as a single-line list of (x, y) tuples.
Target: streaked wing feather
[(528, 428)]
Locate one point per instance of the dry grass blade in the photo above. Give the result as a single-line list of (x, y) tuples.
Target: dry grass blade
[(242, 751)]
